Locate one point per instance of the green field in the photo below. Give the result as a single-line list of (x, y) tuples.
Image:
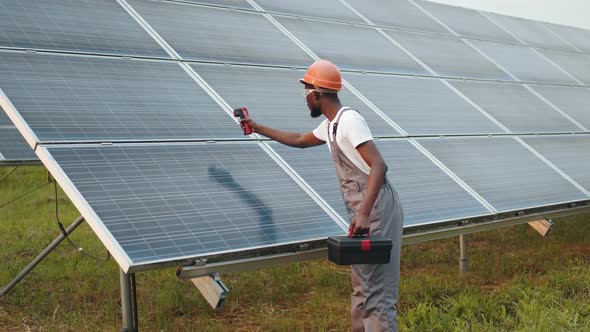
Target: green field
[(518, 281)]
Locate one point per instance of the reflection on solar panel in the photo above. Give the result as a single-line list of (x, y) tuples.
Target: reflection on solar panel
[(398, 14), (351, 47), (402, 99), (74, 25), (570, 154), (276, 100), (215, 34), (467, 22), (12, 144), (427, 194), (531, 32), (575, 102), (328, 9), (168, 202), (518, 109), (103, 99), (453, 56), (523, 62), (574, 63), (503, 172)]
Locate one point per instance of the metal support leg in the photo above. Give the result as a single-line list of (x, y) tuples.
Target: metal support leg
[(463, 260), (41, 256), (126, 299)]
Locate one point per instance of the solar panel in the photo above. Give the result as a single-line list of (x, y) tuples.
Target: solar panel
[(168, 202), (523, 62), (574, 63), (217, 34), (351, 47), (13, 146), (467, 22), (227, 3), (503, 172), (328, 9), (398, 14), (448, 56), (71, 98), (580, 38), (571, 154), (74, 25), (403, 100), (575, 102), (531, 32), (515, 107), (427, 194), (273, 97)]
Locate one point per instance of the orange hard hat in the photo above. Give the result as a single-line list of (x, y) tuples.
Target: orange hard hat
[(323, 74)]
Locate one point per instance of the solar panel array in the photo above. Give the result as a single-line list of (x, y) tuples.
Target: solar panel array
[(128, 104)]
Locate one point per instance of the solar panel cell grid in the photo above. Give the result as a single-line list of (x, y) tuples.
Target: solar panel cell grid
[(515, 107), (531, 32), (466, 22), (575, 102), (448, 56), (168, 201), (74, 25), (402, 100), (13, 146), (351, 47), (399, 14), (69, 98), (580, 38), (576, 64), (524, 63), (229, 3), (273, 97), (503, 172), (327, 9), (223, 35), (571, 154)]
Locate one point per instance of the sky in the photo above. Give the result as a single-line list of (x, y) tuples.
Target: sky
[(567, 12)]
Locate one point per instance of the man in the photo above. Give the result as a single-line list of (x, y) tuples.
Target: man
[(373, 205)]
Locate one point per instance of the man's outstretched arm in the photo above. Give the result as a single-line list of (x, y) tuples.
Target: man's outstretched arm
[(289, 138)]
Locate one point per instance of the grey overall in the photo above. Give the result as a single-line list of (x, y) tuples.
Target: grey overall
[(375, 287)]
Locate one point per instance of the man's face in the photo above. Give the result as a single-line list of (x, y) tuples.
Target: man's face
[(313, 102)]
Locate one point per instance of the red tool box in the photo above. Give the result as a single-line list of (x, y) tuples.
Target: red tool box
[(344, 250)]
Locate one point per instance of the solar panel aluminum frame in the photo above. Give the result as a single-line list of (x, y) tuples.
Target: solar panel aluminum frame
[(125, 262)]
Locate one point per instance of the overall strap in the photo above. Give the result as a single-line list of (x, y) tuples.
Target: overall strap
[(332, 136)]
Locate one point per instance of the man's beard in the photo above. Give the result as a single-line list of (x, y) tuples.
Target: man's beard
[(316, 112)]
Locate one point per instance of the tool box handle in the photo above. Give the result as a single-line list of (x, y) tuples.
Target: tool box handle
[(365, 244)]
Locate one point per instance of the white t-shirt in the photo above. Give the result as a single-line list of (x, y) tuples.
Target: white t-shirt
[(352, 131)]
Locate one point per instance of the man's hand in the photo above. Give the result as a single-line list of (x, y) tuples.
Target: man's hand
[(253, 125), (360, 225)]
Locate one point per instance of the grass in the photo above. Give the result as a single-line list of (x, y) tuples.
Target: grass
[(518, 281)]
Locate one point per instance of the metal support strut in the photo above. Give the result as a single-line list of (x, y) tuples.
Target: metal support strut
[(41, 256), (128, 302), (463, 260)]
